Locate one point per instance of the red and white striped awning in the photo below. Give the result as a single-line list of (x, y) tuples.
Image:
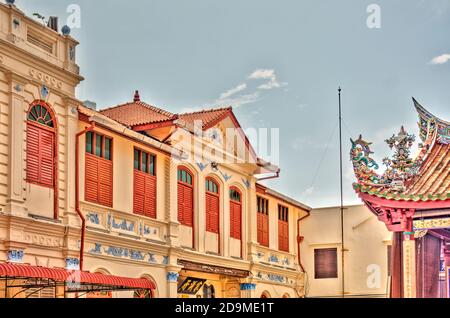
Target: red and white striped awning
[(62, 275)]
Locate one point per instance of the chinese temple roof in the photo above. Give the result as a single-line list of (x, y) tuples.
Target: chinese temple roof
[(425, 178)]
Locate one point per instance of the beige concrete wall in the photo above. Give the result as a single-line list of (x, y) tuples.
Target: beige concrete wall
[(366, 241), (143, 247)]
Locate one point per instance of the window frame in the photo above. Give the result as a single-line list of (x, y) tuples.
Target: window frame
[(103, 138), (191, 185), (149, 156), (208, 191), (262, 214), (101, 158), (334, 271), (240, 203), (283, 221), (54, 131), (145, 174)]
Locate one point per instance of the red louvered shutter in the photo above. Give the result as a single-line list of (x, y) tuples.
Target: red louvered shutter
[(91, 179), (47, 145), (98, 186), (33, 153), (212, 213), (144, 202), (188, 205), (180, 203), (150, 196), (235, 220), (105, 182), (265, 230), (238, 221), (208, 212), (40, 155), (139, 190), (259, 228), (283, 236)]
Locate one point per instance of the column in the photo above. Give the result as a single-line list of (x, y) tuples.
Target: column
[(248, 289), (409, 265), (171, 207), (173, 272)]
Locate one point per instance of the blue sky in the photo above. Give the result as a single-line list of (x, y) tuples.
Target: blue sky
[(184, 55)]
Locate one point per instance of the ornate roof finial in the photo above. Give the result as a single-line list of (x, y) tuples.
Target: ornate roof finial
[(136, 98)]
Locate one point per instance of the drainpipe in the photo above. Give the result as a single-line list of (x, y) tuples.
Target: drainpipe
[(77, 191), (276, 175), (299, 240)]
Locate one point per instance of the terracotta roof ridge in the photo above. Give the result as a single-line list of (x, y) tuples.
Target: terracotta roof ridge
[(156, 109), (206, 111), (143, 104)]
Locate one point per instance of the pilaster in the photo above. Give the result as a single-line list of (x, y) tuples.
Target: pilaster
[(16, 145)]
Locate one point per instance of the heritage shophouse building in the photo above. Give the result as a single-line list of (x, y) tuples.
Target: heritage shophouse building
[(111, 191)]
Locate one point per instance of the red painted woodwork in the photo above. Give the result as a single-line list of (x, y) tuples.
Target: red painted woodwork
[(235, 220), (144, 202), (283, 228), (99, 180), (62, 275), (235, 214), (325, 263), (185, 199), (212, 206), (40, 155), (402, 204), (428, 253), (42, 167), (263, 221), (212, 212), (397, 265)]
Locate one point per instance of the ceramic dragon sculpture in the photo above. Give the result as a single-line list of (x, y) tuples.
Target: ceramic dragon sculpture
[(400, 169)]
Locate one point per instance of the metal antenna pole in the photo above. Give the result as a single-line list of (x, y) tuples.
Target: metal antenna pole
[(342, 195)]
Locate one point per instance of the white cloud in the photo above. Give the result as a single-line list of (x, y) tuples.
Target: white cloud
[(441, 59), (267, 74), (239, 100), (233, 91), (235, 96), (308, 192), (269, 85), (262, 74)]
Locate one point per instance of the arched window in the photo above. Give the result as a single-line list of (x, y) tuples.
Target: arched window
[(41, 153), (212, 205), (185, 197), (235, 213), (265, 294)]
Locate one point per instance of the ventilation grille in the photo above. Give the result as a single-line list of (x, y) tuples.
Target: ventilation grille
[(36, 41)]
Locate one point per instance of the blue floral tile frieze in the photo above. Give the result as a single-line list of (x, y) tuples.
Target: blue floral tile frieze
[(15, 256), (123, 225), (121, 252), (93, 218)]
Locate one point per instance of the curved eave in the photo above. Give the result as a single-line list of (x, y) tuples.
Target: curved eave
[(407, 202)]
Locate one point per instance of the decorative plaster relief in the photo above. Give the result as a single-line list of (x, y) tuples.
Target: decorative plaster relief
[(43, 240), (45, 78)]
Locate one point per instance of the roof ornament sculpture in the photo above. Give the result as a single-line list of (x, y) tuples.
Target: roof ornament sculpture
[(400, 169)]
